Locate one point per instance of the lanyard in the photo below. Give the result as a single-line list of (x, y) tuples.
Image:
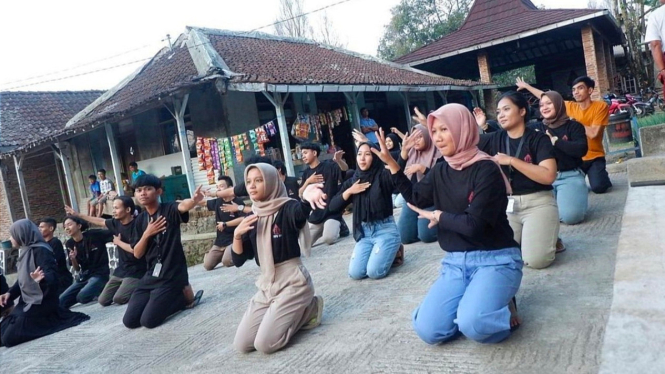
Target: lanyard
[(517, 154), (159, 237)]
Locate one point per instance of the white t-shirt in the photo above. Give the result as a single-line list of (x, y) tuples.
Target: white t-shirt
[(105, 186), (656, 27)]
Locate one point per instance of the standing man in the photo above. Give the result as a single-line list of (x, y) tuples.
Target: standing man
[(654, 36), (94, 190), (105, 187), (368, 126), (322, 223), (594, 115), (134, 172), (47, 228)]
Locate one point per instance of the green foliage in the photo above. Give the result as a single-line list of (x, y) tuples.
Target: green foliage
[(508, 78), (652, 120), (415, 23)]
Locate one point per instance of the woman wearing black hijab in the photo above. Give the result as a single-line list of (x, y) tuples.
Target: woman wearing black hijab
[(37, 313), (378, 242)]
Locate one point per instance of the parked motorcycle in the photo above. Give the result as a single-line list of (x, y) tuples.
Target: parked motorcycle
[(617, 105), (640, 108)]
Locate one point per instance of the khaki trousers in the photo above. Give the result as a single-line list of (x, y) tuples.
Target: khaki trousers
[(218, 254), (328, 231), (535, 222), (278, 310)]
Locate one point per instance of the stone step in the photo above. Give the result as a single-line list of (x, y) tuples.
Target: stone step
[(646, 170)]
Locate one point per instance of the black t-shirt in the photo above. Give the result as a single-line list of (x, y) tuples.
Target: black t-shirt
[(60, 257), (292, 187), (473, 202), (91, 253), (128, 265), (165, 248), (285, 231), (536, 148), (571, 146), (332, 180), (224, 237)]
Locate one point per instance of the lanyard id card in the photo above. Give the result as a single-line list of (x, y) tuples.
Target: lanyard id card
[(511, 205), (158, 270)]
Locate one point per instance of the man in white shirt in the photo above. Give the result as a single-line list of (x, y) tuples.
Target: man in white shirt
[(105, 186), (655, 36)]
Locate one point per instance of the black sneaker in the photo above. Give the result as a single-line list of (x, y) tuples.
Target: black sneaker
[(343, 229)]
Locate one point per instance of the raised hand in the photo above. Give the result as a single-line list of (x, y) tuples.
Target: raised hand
[(383, 154), (315, 196), (394, 130), (481, 118), (246, 225), (155, 226), (337, 157), (71, 211), (521, 84), (358, 187), (410, 140), (433, 217), (37, 275), (198, 195), (359, 136), (421, 118)]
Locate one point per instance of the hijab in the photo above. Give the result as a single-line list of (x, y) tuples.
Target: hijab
[(397, 145), (427, 157), (369, 206), (560, 107), (266, 211), (30, 240), (464, 131)]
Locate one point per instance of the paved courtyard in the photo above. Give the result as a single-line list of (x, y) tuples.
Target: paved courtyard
[(366, 326)]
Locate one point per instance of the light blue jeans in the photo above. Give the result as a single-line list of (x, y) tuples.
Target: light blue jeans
[(373, 255), (412, 229), (398, 201), (572, 196), (471, 296)]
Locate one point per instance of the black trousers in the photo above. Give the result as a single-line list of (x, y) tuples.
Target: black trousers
[(151, 307), (596, 171)]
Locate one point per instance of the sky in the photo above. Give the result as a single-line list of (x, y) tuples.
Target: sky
[(45, 43)]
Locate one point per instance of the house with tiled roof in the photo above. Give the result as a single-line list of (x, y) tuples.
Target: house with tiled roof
[(502, 35), (218, 84), (26, 117)]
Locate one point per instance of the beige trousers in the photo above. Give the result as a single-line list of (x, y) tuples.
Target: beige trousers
[(278, 310), (328, 231), (535, 222), (218, 254)]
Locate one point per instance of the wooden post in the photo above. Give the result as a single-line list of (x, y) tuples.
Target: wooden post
[(61, 183), (444, 96), (352, 101), (65, 156), (12, 213), (179, 112), (278, 102), (115, 160), (405, 97), (18, 163)]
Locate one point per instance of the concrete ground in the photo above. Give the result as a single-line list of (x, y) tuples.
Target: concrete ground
[(366, 326)]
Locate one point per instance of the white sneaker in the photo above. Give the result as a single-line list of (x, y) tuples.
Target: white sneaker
[(316, 320)]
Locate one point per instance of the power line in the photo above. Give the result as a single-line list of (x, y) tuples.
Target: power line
[(300, 15)]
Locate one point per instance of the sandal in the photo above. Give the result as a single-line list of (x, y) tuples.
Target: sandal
[(197, 300), (399, 257), (560, 247), (512, 305)]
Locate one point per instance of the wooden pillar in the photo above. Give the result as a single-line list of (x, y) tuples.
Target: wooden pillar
[(115, 160), (179, 112), (8, 198), (484, 67), (407, 110), (61, 182), (490, 104), (609, 63), (278, 102), (18, 163), (444, 96), (352, 102), (63, 153), (594, 58)]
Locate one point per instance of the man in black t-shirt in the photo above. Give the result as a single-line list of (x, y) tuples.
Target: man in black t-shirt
[(47, 228), (291, 183), (323, 224), (158, 238), (228, 215), (87, 253)]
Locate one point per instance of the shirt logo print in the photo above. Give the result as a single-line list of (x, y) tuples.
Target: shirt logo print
[(276, 232), (527, 158), (470, 197), (565, 137)]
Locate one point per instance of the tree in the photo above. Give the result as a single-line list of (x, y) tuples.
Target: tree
[(415, 23), (294, 23), (326, 34)]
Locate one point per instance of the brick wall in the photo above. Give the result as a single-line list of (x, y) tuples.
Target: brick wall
[(484, 67), (5, 216), (596, 63)]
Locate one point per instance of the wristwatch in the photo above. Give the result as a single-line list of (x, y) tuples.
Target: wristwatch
[(223, 225), (241, 208)]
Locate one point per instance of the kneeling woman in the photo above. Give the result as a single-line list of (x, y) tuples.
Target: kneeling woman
[(482, 270), (275, 235), (374, 227), (38, 312)]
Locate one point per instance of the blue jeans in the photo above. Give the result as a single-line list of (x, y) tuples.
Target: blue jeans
[(572, 196), (398, 201), (373, 255), (471, 296), (412, 229), (83, 292)]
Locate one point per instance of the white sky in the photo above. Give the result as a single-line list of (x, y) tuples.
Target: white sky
[(42, 37)]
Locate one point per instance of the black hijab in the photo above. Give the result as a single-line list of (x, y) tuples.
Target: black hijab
[(374, 204), (397, 145)]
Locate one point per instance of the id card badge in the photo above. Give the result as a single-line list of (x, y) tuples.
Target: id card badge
[(511, 205), (157, 271)]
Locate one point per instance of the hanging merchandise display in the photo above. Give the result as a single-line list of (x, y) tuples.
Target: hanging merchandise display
[(200, 154)]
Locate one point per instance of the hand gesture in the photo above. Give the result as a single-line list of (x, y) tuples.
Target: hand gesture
[(230, 208), (4, 299), (246, 225), (359, 136), (220, 226), (503, 159), (72, 254), (433, 217), (358, 187), (198, 195), (414, 169), (117, 239), (521, 84), (481, 118), (315, 196), (211, 193), (37, 275), (337, 157), (155, 226), (410, 140), (315, 178), (419, 117), (383, 154), (394, 130), (71, 211)]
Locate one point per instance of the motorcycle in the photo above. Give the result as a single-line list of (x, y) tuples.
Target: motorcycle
[(617, 105), (640, 108)]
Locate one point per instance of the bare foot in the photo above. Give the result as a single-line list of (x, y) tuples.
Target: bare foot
[(515, 320)]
